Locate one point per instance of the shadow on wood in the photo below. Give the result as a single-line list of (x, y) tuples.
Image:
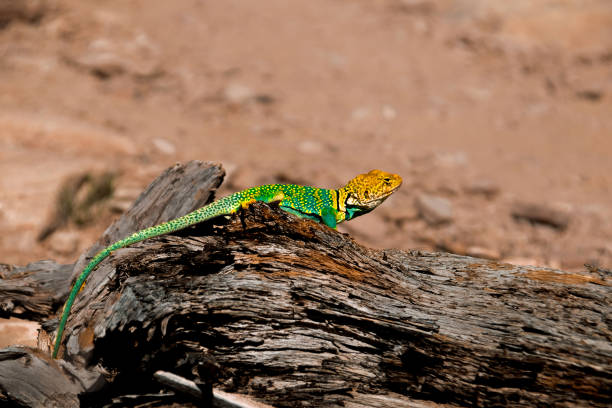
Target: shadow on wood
[(296, 314)]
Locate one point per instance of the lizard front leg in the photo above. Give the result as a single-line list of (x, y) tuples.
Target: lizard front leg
[(329, 217)]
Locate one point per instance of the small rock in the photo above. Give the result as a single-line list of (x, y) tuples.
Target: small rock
[(310, 147), (237, 94), (101, 64), (164, 146), (389, 112), (434, 210), (541, 214), (265, 99), (106, 58), (143, 55), (482, 187), (593, 95), (64, 242)]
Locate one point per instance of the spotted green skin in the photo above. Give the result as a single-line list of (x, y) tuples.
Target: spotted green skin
[(306, 202)]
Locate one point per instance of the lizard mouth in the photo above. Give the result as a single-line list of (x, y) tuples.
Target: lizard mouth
[(393, 190), (371, 204)]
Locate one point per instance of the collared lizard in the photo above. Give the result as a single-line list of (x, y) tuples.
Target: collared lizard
[(359, 196)]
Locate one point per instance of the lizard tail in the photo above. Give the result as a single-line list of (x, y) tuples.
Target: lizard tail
[(224, 206)]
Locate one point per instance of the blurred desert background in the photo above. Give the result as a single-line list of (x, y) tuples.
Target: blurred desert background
[(497, 114)]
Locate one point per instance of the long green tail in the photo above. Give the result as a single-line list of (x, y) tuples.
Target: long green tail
[(224, 206)]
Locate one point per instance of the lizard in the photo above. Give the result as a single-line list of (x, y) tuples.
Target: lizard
[(359, 196)]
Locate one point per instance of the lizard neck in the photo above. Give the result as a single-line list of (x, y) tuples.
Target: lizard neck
[(341, 196), (345, 212), (348, 211)]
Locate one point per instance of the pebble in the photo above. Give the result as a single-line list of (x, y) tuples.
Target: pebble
[(103, 65), (389, 112), (164, 146), (541, 214), (237, 94), (433, 209), (64, 242), (590, 94), (106, 58), (310, 147), (482, 187)]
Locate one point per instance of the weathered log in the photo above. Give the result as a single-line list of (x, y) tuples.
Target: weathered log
[(30, 378), (34, 291), (296, 314)]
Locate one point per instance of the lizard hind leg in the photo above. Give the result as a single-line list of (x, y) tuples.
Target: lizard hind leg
[(271, 196), (266, 196), (263, 195), (245, 204)]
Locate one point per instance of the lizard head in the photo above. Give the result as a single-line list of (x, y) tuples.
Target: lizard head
[(367, 191)]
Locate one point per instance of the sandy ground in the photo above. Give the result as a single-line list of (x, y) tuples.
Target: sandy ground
[(485, 108)]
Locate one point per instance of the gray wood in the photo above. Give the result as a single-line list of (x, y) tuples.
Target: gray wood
[(30, 378), (297, 314), (34, 291)]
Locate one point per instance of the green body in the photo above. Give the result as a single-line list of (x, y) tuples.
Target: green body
[(306, 202)]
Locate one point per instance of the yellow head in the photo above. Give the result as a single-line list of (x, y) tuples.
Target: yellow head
[(367, 191)]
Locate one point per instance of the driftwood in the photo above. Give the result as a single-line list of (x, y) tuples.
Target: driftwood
[(296, 314)]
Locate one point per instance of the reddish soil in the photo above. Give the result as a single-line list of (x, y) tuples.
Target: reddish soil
[(486, 105)]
